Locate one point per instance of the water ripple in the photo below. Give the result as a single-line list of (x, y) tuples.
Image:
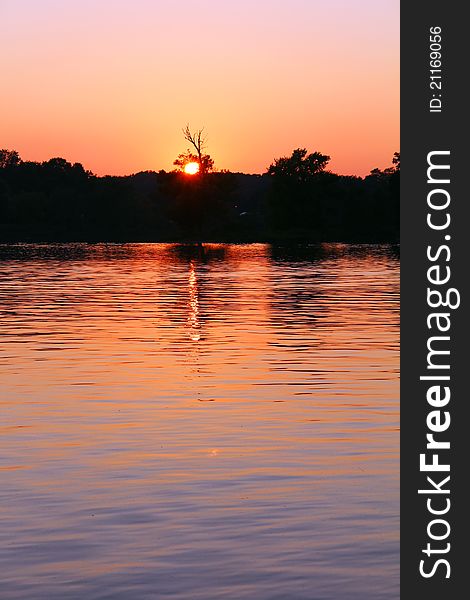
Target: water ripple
[(206, 424)]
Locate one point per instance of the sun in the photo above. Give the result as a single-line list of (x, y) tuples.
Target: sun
[(191, 168)]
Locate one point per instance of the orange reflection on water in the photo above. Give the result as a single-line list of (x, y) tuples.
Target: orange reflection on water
[(193, 304), (230, 413)]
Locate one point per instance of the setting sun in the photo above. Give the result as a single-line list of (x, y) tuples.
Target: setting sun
[(191, 168)]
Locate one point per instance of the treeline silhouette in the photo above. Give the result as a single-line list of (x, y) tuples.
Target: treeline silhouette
[(297, 199)]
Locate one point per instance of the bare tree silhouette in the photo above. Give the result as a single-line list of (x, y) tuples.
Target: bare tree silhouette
[(198, 141)]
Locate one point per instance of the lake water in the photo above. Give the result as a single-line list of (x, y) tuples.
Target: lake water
[(199, 425)]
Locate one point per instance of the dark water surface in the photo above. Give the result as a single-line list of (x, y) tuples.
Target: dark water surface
[(199, 426)]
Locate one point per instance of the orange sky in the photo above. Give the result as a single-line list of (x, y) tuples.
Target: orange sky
[(111, 83)]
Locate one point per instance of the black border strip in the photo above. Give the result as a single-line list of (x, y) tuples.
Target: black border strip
[(422, 132)]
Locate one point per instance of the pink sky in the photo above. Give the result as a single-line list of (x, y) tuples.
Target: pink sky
[(110, 84)]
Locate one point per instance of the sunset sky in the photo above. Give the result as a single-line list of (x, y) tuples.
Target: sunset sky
[(110, 83)]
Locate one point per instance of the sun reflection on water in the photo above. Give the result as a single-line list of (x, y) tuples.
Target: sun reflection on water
[(193, 305)]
